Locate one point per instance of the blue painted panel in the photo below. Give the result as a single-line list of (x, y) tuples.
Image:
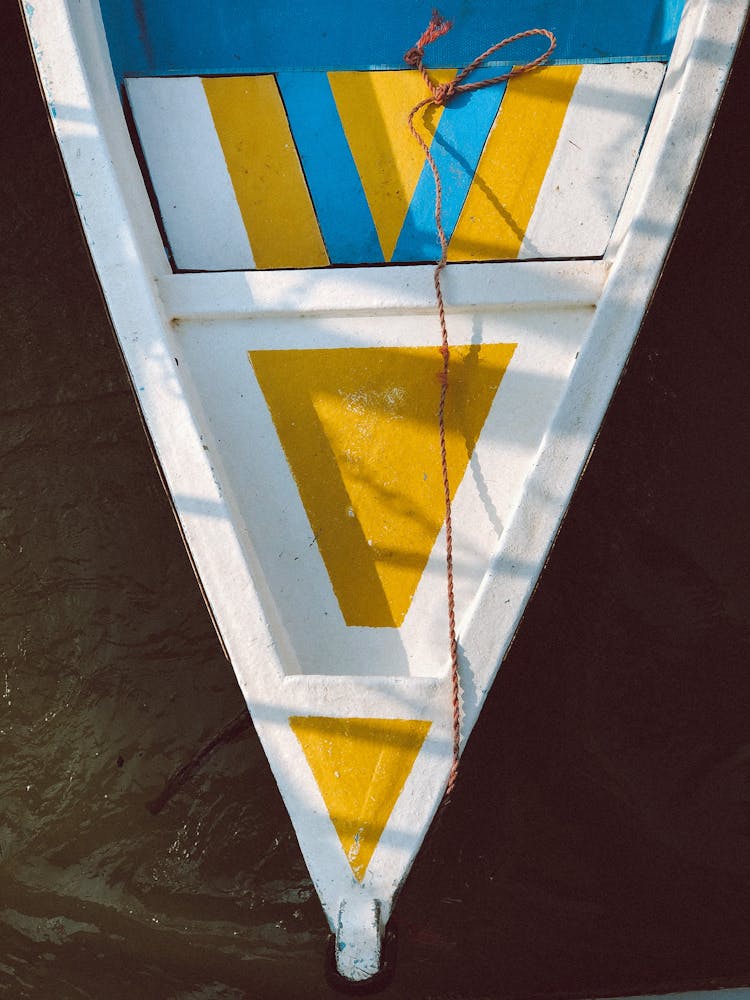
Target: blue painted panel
[(456, 148), (339, 199), (167, 37)]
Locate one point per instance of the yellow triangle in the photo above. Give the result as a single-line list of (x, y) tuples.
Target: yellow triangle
[(360, 766), (374, 107), (359, 429)]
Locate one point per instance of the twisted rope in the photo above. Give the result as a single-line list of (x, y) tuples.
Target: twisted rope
[(440, 95)]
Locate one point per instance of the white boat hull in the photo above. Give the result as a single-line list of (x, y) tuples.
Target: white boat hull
[(319, 688)]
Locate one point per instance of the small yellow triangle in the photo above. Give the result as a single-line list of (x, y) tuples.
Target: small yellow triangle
[(373, 108), (360, 766), (360, 432)]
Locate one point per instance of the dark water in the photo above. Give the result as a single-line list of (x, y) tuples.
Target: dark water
[(600, 838)]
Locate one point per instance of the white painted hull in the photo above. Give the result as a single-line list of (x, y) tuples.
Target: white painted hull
[(573, 323)]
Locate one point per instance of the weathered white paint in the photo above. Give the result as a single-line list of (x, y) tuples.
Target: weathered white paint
[(359, 938), (593, 160), (531, 495), (196, 199)]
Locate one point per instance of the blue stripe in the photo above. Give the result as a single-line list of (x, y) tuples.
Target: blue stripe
[(195, 37), (461, 134), (336, 190)]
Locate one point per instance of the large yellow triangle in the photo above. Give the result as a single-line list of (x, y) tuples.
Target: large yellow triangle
[(360, 766), (360, 432), (373, 108)]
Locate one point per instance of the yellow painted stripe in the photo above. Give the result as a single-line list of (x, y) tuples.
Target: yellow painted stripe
[(359, 430), (360, 766), (265, 170), (374, 108), (511, 169)]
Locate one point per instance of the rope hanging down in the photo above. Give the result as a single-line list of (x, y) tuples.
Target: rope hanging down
[(440, 95)]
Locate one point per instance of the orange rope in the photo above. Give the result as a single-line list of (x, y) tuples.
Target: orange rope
[(440, 94)]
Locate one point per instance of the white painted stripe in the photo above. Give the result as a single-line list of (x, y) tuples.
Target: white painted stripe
[(593, 160), (189, 174)]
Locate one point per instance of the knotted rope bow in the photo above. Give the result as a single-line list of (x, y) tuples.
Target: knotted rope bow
[(440, 95), (443, 92)]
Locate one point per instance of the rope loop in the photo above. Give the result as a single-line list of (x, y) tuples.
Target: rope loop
[(443, 92), (440, 95)]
